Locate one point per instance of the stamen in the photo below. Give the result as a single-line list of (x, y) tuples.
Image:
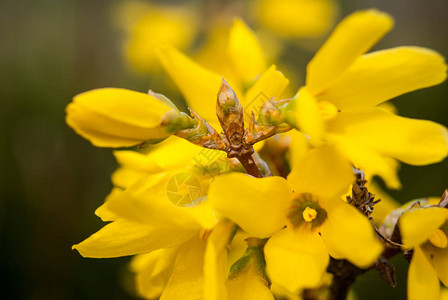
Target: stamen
[(309, 214)]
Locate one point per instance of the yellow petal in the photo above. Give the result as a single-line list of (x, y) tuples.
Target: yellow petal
[(418, 225), (280, 16), (323, 162), (199, 86), (104, 212), (349, 235), (271, 84), (165, 156), (416, 142), (147, 202), (370, 160), (308, 117), (125, 177), (122, 237), (296, 259), (248, 285), (443, 293), (245, 52), (187, 279), (422, 279), (215, 261), (383, 75), (113, 117), (258, 205), (440, 264), (102, 131), (298, 146), (123, 105), (153, 271), (355, 35)]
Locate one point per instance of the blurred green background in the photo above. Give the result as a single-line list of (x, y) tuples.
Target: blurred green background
[(52, 180)]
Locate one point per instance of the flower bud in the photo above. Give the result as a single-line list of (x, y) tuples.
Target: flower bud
[(112, 117)]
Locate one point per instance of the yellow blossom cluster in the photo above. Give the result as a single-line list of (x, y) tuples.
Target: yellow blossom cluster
[(271, 204)]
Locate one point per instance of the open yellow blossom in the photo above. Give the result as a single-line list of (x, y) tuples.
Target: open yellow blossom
[(425, 230), (112, 117), (149, 26), (318, 223), (175, 240), (344, 86), (245, 70)]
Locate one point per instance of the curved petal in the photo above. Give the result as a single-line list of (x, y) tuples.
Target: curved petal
[(271, 84), (383, 75), (153, 271), (296, 259), (258, 205), (187, 279), (215, 261), (147, 201), (440, 263), (355, 35), (422, 279), (323, 172), (199, 86), (308, 117), (416, 142), (105, 131), (248, 285), (349, 235), (123, 105), (418, 225), (172, 153), (122, 237), (104, 212), (245, 52), (371, 161)]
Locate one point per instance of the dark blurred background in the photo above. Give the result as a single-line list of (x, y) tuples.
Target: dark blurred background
[(52, 180)]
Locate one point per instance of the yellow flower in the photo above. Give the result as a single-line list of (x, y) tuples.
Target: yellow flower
[(318, 222), (245, 71), (280, 16), (175, 239), (149, 26), (112, 117), (425, 230), (344, 86)]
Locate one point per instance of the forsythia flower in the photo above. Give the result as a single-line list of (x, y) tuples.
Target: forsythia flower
[(148, 26), (247, 75), (112, 117), (343, 88), (425, 230), (318, 222)]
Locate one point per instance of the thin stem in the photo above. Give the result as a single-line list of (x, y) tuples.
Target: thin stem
[(249, 165)]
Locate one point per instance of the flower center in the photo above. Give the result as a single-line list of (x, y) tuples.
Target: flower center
[(309, 214), (328, 110), (439, 239), (305, 210)]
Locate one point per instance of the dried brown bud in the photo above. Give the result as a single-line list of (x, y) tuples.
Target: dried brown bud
[(386, 270), (230, 115), (444, 200)]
